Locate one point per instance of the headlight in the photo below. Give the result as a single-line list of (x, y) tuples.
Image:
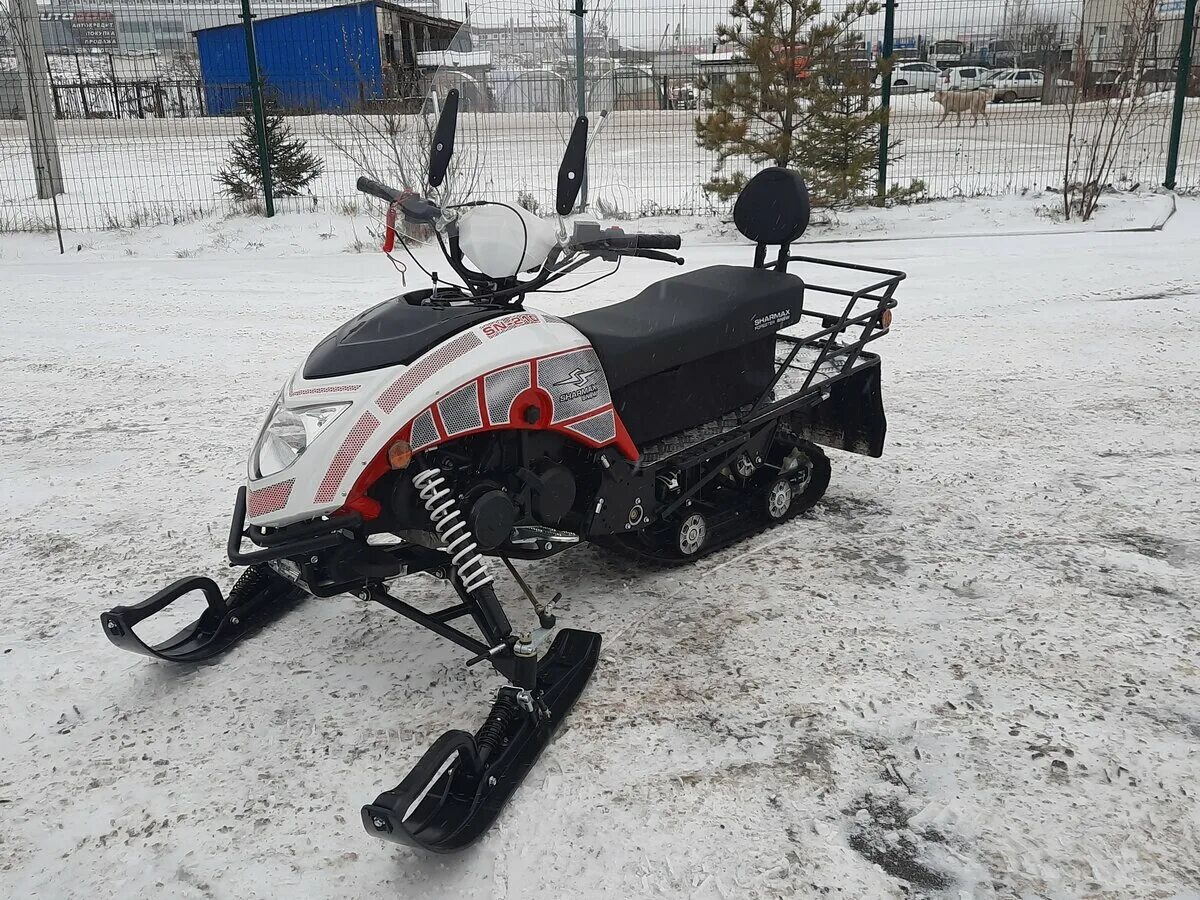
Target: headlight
[(289, 432)]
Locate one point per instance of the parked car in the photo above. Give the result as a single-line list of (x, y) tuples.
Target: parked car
[(1112, 82), (913, 76), (965, 78), (1009, 85), (858, 62), (1154, 80), (1022, 84)]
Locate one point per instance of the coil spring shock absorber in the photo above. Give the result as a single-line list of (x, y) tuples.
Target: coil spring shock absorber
[(452, 528), (492, 734)]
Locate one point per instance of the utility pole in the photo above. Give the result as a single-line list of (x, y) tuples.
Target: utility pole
[(1181, 87), (256, 99), (35, 91), (889, 28), (580, 89)]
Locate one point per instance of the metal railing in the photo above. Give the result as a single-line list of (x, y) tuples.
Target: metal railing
[(132, 111)]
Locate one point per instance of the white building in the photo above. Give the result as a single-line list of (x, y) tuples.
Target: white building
[(1108, 33)]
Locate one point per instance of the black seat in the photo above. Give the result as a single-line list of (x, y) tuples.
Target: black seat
[(690, 349), (688, 317)]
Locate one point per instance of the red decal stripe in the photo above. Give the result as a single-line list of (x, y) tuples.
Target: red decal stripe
[(423, 368), (354, 442)]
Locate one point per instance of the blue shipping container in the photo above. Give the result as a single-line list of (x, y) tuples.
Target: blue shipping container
[(324, 60)]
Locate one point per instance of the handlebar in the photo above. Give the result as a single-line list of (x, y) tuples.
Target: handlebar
[(608, 244)]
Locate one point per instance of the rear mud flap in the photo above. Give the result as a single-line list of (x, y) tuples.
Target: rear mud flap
[(851, 418), (462, 782)]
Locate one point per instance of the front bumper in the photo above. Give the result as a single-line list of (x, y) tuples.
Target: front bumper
[(325, 556), (290, 542)]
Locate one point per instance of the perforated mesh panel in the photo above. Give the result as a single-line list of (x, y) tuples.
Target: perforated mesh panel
[(269, 499), (426, 366), (599, 429), (460, 410), (350, 448), (329, 389), (501, 389), (424, 432), (575, 382)]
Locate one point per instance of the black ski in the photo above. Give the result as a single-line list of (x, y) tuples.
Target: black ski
[(462, 782), (259, 597)]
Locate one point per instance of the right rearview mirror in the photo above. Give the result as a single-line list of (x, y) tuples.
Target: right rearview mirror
[(442, 146), (574, 164)]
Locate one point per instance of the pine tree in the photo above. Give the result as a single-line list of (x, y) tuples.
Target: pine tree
[(803, 103), (292, 166)]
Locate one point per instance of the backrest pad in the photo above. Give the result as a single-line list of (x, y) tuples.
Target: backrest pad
[(773, 207)]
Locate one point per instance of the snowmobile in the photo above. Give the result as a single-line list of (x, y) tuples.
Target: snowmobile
[(451, 429)]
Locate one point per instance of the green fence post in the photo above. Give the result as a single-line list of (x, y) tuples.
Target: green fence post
[(256, 98), (580, 88), (889, 27), (1182, 78)]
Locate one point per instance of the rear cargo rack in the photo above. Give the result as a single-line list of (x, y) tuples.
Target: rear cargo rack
[(806, 366), (824, 358)]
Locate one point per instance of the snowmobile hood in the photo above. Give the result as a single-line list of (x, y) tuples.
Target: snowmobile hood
[(393, 333)]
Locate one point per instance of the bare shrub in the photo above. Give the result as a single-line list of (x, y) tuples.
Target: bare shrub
[(1098, 125)]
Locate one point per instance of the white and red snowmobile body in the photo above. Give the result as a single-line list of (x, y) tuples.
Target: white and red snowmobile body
[(450, 428), (519, 371)]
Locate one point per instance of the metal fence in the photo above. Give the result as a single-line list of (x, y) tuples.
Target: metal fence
[(115, 114)]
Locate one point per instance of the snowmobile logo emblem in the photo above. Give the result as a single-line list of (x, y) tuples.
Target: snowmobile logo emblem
[(577, 379)]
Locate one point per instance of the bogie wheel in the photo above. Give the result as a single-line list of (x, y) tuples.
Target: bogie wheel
[(691, 533), (778, 498), (807, 467), (815, 465)]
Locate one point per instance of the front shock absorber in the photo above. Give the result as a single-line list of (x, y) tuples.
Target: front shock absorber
[(492, 735), (452, 528)]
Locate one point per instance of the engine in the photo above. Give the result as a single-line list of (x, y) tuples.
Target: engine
[(518, 491)]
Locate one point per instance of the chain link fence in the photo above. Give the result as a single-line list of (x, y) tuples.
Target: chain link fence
[(117, 114)]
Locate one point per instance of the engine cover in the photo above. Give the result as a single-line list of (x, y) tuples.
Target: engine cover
[(491, 519), (554, 497)]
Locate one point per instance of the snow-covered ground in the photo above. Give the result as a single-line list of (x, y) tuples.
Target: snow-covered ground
[(972, 671)]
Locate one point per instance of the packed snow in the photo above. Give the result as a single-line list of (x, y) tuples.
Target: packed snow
[(971, 671)]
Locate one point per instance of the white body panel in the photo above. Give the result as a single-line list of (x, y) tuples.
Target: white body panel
[(524, 348)]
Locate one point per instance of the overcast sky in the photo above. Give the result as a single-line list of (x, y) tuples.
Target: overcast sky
[(644, 23)]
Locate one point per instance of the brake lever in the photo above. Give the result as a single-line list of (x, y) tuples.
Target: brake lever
[(656, 254)]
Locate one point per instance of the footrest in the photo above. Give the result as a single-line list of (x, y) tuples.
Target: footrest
[(259, 596), (462, 782)]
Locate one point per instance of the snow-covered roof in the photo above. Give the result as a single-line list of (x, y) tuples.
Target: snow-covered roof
[(712, 59), (457, 59)]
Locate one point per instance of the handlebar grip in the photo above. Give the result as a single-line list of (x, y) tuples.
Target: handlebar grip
[(375, 189), (656, 241), (628, 242)]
